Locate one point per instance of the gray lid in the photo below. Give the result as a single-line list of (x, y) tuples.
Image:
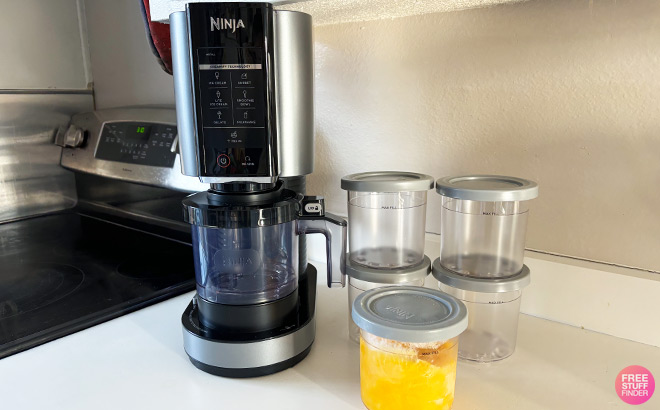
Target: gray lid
[(485, 285), (387, 181), (410, 314), (487, 188), (388, 276)]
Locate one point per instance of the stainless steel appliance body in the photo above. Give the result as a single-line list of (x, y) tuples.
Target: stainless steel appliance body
[(217, 55), (32, 182), (243, 82)]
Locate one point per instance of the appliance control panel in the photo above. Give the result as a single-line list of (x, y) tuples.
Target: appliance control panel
[(144, 143), (231, 53), (114, 147)]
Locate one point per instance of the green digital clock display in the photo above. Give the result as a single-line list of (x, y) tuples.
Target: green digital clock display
[(138, 132)]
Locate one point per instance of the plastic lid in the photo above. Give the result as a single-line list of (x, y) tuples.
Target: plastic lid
[(485, 285), (410, 314), (387, 181), (487, 188), (388, 276)]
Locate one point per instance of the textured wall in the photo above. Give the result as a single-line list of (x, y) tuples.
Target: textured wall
[(161, 9), (341, 11), (565, 92), (561, 92)]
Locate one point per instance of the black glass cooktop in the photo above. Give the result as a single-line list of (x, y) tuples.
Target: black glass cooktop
[(63, 273)]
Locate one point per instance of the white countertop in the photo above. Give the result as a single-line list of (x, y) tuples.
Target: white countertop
[(138, 361)]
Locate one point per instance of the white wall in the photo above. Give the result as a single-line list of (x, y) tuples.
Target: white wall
[(124, 69), (559, 92), (43, 45), (564, 92)]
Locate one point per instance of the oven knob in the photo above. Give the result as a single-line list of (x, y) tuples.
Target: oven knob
[(72, 137)]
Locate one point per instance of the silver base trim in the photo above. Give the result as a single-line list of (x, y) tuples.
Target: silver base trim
[(233, 355)]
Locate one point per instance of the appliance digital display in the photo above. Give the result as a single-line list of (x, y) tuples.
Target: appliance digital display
[(137, 143), (139, 132)]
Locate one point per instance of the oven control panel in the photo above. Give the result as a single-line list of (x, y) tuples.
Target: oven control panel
[(133, 142)]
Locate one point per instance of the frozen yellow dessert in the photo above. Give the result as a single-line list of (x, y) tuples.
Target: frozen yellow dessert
[(406, 376)]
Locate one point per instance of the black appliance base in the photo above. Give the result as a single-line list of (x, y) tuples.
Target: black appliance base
[(237, 354), (248, 318)]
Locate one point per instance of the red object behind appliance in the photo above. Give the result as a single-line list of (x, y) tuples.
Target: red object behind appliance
[(160, 38)]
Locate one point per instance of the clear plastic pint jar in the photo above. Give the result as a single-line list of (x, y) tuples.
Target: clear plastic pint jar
[(362, 279), (244, 266), (494, 309), (387, 218), (483, 224), (408, 347)]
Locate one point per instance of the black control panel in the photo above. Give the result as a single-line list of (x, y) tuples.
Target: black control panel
[(232, 63), (141, 143)]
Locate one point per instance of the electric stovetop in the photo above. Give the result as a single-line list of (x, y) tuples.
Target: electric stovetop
[(65, 272)]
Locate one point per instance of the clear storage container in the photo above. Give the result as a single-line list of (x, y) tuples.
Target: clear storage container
[(245, 266), (494, 308), (387, 218), (408, 347), (247, 253), (361, 279), (483, 223)]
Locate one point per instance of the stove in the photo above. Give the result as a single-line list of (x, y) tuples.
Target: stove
[(66, 272), (124, 246)]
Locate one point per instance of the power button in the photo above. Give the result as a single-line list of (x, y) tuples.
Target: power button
[(223, 160)]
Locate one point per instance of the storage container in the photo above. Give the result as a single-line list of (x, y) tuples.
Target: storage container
[(494, 308), (361, 279), (387, 218), (408, 347), (245, 266), (483, 223)]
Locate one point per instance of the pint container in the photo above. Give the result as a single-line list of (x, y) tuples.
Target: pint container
[(362, 279), (387, 218), (493, 305), (483, 223), (408, 347)]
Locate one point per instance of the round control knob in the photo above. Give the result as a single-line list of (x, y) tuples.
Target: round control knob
[(74, 137)]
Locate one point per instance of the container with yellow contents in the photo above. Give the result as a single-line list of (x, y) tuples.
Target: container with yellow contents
[(408, 347)]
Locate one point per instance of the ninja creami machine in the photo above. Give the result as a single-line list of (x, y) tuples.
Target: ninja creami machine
[(243, 83)]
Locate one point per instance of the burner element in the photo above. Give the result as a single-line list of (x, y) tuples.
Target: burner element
[(29, 286)]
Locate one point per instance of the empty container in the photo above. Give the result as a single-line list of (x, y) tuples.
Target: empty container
[(494, 308), (244, 266), (408, 347), (387, 218), (361, 279), (483, 223)]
